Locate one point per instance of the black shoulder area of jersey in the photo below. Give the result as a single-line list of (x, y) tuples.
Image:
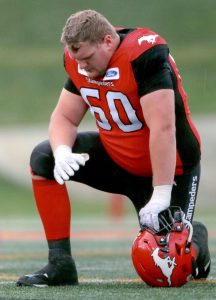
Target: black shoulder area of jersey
[(70, 87), (152, 70), (123, 32)]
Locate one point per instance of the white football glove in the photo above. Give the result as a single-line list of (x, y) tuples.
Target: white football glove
[(66, 163), (159, 201)]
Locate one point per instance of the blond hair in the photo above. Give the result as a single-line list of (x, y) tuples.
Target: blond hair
[(86, 25)]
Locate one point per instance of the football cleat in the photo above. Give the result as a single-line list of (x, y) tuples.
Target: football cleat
[(200, 240), (164, 258), (59, 271)]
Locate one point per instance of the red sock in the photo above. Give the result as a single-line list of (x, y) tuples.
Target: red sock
[(54, 208)]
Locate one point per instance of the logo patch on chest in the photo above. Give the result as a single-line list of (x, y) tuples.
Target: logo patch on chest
[(112, 74)]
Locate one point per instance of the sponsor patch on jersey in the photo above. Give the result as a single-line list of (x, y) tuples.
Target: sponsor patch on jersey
[(112, 74), (150, 39)]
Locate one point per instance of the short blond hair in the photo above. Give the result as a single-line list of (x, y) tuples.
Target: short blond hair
[(86, 25)]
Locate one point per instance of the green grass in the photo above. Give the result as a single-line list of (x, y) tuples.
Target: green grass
[(103, 262), (104, 265), (31, 70)]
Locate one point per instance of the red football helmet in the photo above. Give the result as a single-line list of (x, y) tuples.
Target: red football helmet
[(164, 258)]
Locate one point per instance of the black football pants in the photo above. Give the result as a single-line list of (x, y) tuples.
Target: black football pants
[(102, 173)]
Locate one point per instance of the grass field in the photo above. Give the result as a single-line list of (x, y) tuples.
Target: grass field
[(100, 245), (102, 252)]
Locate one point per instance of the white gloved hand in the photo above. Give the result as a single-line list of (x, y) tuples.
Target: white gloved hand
[(66, 163), (159, 201)]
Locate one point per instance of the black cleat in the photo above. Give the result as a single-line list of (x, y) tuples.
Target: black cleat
[(60, 270), (200, 239)]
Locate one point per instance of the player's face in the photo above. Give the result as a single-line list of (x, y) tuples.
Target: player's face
[(93, 58)]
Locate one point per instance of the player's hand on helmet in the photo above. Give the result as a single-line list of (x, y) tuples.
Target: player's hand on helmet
[(159, 201), (66, 163)]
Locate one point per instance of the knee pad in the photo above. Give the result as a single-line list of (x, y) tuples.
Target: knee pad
[(42, 160)]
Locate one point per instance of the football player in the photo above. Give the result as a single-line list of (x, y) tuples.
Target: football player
[(146, 146)]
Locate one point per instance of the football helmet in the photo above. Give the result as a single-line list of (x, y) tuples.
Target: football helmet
[(165, 258)]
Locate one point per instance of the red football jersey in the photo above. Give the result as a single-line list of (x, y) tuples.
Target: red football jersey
[(140, 65)]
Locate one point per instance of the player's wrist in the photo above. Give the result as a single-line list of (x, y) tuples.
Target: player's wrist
[(62, 149), (162, 194)]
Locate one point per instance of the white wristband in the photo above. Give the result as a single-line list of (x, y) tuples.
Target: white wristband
[(162, 194), (62, 148)]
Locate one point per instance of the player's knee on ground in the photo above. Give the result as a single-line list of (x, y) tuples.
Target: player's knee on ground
[(42, 160)]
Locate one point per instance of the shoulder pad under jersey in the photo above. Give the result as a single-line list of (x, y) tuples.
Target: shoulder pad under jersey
[(140, 40)]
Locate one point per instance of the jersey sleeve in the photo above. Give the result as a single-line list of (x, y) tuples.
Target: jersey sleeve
[(70, 87), (152, 70)]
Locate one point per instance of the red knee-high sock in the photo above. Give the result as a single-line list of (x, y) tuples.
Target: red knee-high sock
[(54, 208)]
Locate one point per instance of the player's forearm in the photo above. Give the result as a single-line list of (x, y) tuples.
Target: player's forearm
[(61, 132), (163, 156)]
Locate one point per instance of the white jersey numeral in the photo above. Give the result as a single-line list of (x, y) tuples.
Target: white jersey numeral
[(104, 123), (111, 98)]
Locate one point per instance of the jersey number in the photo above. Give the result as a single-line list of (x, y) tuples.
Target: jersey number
[(111, 98)]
